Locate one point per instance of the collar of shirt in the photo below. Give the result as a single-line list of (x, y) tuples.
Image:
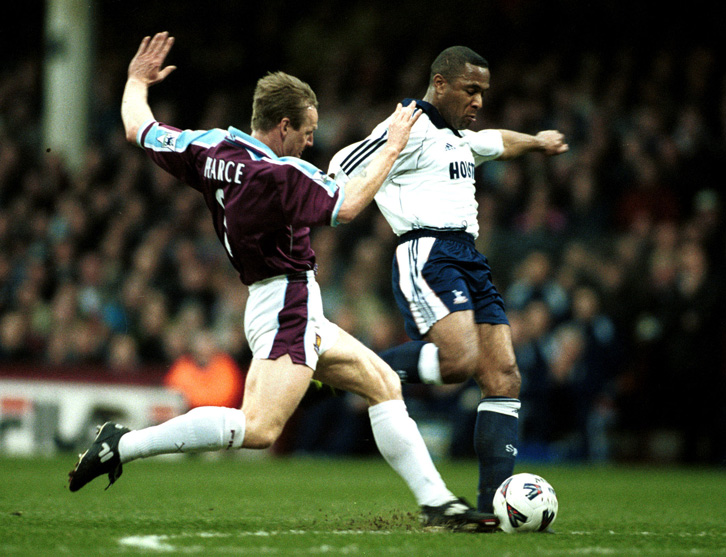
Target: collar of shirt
[(432, 112), (251, 142)]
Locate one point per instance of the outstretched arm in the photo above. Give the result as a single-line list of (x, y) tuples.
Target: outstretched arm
[(145, 70), (549, 142), (359, 191)]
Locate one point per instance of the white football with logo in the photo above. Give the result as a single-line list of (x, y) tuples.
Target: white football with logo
[(525, 503)]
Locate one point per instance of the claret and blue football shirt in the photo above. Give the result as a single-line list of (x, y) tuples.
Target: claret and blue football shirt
[(262, 205)]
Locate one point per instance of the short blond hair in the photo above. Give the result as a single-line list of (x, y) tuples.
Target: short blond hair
[(279, 95)]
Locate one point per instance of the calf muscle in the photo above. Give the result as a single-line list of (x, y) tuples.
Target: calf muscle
[(497, 374)]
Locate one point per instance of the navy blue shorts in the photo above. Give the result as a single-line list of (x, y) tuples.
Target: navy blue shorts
[(439, 272)]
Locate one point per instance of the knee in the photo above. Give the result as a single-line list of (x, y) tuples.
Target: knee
[(512, 380), (377, 382), (261, 434), (392, 383), (385, 384), (503, 379)]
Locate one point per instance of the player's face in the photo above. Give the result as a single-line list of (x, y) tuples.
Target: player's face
[(459, 99), (296, 141)]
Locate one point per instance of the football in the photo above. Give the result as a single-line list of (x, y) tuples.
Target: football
[(525, 503)]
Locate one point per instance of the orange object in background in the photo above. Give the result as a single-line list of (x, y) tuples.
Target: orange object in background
[(207, 376)]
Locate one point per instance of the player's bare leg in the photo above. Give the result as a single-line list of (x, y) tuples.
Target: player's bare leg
[(273, 390), (457, 340), (496, 372), (350, 366), (456, 349), (496, 431)]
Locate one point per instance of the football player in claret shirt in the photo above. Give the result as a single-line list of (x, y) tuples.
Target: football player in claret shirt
[(442, 285), (263, 200)]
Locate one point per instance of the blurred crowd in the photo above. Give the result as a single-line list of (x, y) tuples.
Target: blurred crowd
[(611, 258)]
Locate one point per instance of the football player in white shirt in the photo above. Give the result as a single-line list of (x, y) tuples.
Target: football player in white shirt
[(442, 285)]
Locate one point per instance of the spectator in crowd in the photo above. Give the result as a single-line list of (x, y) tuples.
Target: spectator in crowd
[(531, 330), (206, 375), (123, 355), (535, 281), (14, 347), (597, 349), (692, 342)]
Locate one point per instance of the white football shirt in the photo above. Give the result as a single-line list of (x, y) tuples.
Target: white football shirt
[(431, 184)]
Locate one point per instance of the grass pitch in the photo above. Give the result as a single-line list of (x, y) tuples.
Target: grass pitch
[(296, 506)]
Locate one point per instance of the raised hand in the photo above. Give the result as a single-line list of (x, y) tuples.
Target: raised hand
[(146, 65)]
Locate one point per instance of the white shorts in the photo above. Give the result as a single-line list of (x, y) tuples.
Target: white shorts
[(284, 315)]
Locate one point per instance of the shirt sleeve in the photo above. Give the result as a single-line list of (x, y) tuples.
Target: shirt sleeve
[(335, 168), (485, 145), (177, 151), (309, 197), (352, 160)]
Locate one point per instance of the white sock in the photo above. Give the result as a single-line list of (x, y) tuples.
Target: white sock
[(428, 364), (401, 444), (207, 428)]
